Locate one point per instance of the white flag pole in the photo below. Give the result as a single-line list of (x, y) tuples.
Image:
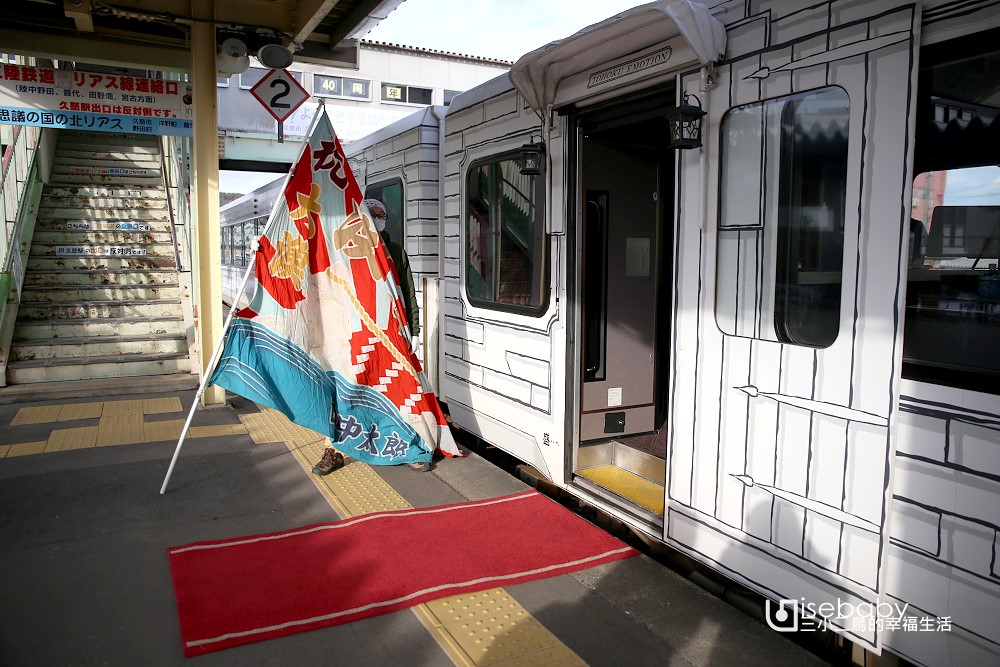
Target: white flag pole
[(211, 366), (229, 319)]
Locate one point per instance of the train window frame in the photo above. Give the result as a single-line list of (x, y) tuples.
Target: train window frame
[(539, 263), (395, 207), (781, 225), (950, 294)]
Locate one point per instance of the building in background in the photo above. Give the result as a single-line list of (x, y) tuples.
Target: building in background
[(390, 82)]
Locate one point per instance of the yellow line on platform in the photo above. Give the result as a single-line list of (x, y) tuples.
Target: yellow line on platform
[(478, 629)]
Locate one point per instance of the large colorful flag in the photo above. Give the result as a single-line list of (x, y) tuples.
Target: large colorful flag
[(324, 339)]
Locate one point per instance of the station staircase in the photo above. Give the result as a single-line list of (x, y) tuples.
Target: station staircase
[(102, 295)]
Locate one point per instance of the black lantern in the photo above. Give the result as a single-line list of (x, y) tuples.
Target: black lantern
[(531, 158), (685, 124)]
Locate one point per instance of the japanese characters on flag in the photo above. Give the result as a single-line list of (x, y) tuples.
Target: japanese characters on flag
[(324, 338)]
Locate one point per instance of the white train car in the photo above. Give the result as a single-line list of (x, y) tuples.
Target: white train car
[(774, 352)]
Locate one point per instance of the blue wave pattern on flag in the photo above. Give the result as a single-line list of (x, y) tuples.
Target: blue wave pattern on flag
[(324, 339)]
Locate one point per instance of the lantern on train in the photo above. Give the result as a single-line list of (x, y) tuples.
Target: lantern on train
[(684, 122), (531, 158)]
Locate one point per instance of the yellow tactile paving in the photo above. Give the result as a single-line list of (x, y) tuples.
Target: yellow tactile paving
[(25, 448), (36, 415), (486, 628), (271, 426), (169, 429), (74, 411), (214, 431), (61, 440), (491, 628), (155, 406), (122, 429), (118, 408)]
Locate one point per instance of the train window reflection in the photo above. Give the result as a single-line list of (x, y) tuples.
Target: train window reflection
[(781, 224), (953, 280), (505, 237)]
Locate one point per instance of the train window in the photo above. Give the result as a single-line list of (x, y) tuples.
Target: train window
[(505, 258), (781, 221), (390, 193), (953, 281), (952, 324)]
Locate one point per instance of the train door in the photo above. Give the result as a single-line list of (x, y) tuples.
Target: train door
[(626, 185), (790, 293)]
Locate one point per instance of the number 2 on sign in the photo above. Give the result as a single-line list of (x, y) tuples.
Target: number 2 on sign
[(275, 104)]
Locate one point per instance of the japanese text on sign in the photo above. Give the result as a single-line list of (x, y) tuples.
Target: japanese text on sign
[(48, 97)]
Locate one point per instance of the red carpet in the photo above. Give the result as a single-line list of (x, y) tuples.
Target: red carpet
[(244, 590)]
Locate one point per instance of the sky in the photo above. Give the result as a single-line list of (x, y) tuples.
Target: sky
[(498, 29), (502, 29), (979, 186)]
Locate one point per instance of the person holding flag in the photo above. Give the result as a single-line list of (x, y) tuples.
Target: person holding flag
[(332, 459), (324, 339)]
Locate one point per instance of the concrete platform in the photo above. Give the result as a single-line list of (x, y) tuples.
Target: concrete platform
[(84, 575)]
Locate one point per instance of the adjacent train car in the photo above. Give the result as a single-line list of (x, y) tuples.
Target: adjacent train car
[(730, 274), (241, 222)]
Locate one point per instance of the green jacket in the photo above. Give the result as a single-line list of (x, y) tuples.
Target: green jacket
[(402, 262)]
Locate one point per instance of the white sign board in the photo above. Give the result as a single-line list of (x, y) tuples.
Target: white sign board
[(280, 94)]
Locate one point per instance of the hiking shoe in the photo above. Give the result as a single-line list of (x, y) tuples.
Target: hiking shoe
[(420, 467), (332, 459)]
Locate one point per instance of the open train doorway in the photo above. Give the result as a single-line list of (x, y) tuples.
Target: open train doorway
[(626, 177)]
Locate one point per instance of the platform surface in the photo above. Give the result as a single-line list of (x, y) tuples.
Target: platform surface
[(84, 531)]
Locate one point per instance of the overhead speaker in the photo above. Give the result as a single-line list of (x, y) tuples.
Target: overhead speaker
[(274, 56), (232, 57)]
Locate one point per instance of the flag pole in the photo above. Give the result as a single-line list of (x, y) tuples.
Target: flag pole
[(211, 366), (229, 319)]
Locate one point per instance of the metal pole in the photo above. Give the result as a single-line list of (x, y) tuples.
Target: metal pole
[(211, 366)]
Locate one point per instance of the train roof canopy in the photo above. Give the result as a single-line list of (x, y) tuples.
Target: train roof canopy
[(537, 74)]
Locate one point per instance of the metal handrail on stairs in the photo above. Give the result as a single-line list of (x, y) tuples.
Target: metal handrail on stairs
[(166, 176), (19, 171)]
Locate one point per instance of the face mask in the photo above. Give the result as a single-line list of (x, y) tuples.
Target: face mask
[(379, 224)]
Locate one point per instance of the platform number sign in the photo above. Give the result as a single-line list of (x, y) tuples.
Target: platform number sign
[(280, 94)]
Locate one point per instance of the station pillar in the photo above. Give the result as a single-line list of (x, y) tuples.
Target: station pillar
[(205, 191)]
